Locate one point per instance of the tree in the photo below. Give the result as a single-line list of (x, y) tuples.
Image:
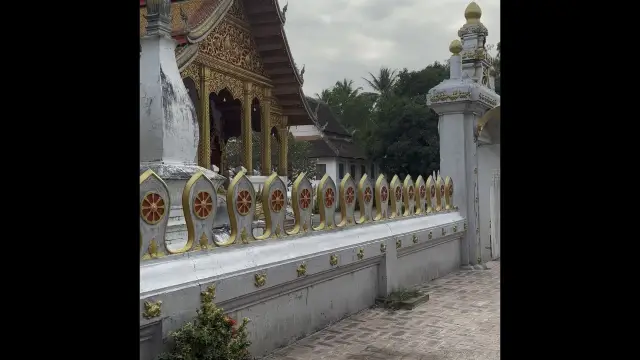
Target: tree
[(416, 84), (383, 83), (405, 140)]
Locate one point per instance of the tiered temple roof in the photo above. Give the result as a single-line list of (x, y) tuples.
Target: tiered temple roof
[(336, 141), (194, 20)]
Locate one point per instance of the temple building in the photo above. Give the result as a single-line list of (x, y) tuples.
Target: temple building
[(332, 145), (236, 63)]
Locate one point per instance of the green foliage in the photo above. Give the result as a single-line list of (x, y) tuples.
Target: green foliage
[(211, 336), (406, 138)]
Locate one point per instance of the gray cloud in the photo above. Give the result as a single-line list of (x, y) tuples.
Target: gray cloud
[(339, 39)]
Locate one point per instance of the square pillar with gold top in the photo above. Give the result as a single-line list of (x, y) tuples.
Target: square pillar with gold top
[(246, 129), (284, 142), (266, 133), (204, 153)]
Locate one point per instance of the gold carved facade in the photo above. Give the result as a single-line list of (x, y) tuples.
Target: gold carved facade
[(228, 59)]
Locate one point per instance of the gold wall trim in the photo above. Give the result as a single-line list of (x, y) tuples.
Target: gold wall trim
[(232, 70)]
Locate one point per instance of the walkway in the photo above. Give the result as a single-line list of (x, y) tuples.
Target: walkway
[(461, 321)]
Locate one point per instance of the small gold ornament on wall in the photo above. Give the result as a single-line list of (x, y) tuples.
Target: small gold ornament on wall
[(302, 270), (152, 309), (360, 253), (333, 260), (260, 279)]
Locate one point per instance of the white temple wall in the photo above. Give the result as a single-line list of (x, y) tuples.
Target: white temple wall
[(288, 306), (488, 161)]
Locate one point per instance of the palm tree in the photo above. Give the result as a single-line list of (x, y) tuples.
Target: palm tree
[(324, 96), (343, 93), (383, 83)]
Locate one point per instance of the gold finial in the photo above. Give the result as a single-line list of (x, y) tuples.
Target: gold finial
[(472, 13), (455, 47)]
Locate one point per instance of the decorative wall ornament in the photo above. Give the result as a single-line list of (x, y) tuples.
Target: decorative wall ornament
[(199, 203), (193, 71), (234, 45), (347, 200), (448, 193), (398, 243), (409, 196), (326, 195), (439, 194), (237, 11), (152, 309), (302, 204), (360, 253), (431, 193), (260, 279), (302, 269), (219, 81), (333, 260), (456, 95), (274, 202), (209, 294), (421, 197), (241, 207), (365, 199), (382, 198), (155, 203), (383, 247), (414, 238), (430, 235), (396, 197), (455, 228)]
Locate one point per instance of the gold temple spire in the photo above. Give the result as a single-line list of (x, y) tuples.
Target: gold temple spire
[(473, 13)]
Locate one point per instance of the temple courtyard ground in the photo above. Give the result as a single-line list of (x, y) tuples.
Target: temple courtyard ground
[(461, 321)]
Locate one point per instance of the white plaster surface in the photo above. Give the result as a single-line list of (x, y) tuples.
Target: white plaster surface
[(488, 161), (206, 266), (168, 122)]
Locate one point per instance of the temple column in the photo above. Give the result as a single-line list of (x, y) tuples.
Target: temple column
[(204, 155), (246, 129), (266, 133), (284, 141)]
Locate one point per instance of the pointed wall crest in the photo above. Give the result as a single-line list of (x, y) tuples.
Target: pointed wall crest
[(348, 197), (409, 196), (274, 204), (421, 196), (241, 205), (431, 193), (155, 204), (439, 194), (365, 199), (326, 203), (396, 197), (382, 198), (448, 193), (199, 203), (302, 203)]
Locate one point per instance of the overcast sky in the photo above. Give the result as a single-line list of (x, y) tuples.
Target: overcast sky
[(350, 38)]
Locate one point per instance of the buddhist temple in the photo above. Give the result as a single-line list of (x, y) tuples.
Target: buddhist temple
[(238, 68)]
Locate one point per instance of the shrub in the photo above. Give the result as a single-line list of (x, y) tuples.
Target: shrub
[(211, 336)]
